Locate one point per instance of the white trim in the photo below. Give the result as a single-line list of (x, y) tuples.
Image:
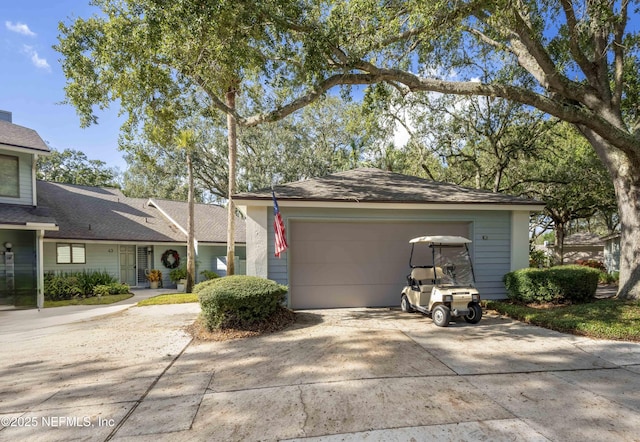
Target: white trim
[(29, 226), (391, 206), (34, 197), (152, 203), (30, 150), (519, 240), (137, 242)]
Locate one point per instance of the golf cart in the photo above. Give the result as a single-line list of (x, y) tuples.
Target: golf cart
[(443, 285)]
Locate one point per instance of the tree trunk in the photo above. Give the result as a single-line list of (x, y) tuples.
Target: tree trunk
[(559, 232), (191, 252), (230, 98), (624, 169)]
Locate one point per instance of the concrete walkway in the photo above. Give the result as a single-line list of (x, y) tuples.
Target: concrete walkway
[(19, 320), (337, 375)]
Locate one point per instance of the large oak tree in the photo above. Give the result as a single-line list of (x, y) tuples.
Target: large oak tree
[(580, 56)]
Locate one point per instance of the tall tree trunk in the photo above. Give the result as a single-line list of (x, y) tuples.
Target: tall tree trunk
[(230, 98), (624, 168), (191, 252), (559, 232)]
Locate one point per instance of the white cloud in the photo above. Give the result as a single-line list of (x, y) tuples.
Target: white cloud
[(40, 63), (20, 28)]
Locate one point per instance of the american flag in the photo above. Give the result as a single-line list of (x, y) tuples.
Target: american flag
[(278, 227)]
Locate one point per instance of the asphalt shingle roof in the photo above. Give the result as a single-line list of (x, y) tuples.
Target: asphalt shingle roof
[(19, 136), (99, 213), (21, 215), (379, 186)]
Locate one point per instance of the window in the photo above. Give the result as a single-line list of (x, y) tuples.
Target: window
[(70, 254), (9, 185)]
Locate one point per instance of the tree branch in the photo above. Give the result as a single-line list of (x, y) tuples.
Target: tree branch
[(572, 23)]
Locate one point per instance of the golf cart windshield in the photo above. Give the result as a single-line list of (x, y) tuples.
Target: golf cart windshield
[(448, 255), (455, 264)]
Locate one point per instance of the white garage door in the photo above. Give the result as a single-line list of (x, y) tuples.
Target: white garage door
[(354, 264)]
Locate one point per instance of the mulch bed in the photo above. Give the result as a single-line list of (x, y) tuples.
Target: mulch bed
[(280, 320)]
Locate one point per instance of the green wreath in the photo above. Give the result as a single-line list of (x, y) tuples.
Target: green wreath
[(170, 264)]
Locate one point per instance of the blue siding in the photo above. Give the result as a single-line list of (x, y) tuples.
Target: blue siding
[(490, 232), (25, 162)]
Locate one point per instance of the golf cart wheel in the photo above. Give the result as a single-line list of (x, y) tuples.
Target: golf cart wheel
[(475, 314), (441, 316), (405, 306)]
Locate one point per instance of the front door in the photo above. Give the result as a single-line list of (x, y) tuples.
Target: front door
[(128, 265)]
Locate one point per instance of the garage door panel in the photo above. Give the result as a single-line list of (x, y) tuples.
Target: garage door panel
[(349, 231), (356, 295), (359, 264), (325, 274), (350, 251)]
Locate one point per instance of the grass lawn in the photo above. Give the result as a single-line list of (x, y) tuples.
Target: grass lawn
[(174, 298), (603, 319), (94, 300)]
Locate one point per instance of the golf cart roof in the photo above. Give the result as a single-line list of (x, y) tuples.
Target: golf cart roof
[(441, 240)]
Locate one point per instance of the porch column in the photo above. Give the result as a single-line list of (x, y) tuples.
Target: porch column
[(257, 240), (519, 240)]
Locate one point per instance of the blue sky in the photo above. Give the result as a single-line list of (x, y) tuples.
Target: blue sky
[(32, 82)]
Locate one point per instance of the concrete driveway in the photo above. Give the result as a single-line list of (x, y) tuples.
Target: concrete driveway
[(337, 375)]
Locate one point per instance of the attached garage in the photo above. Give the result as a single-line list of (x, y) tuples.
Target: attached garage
[(349, 232), (354, 264)]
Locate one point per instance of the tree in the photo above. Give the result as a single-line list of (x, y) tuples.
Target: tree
[(581, 58), (72, 166), (571, 181), (141, 52)]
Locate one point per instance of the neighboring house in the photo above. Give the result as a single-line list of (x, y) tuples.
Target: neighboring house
[(101, 229), (612, 252), (578, 246), (23, 222), (348, 235), (59, 227)]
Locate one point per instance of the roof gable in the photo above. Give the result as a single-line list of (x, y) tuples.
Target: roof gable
[(19, 137), (379, 186)]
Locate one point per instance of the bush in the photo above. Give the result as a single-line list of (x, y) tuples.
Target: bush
[(178, 273), (209, 274), (88, 279), (239, 301), (558, 284), (58, 287), (593, 263), (609, 278), (115, 288), (68, 285), (205, 284)]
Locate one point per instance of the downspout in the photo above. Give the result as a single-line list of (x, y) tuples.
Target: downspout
[(40, 268), (34, 197)]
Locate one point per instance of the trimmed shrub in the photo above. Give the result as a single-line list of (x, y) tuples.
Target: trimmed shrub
[(199, 287), (239, 301), (115, 288), (571, 283)]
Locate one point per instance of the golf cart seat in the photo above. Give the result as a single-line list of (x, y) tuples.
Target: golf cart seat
[(425, 277)]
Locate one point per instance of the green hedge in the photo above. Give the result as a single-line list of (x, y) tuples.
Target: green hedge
[(558, 284), (115, 288), (239, 301), (204, 285)]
